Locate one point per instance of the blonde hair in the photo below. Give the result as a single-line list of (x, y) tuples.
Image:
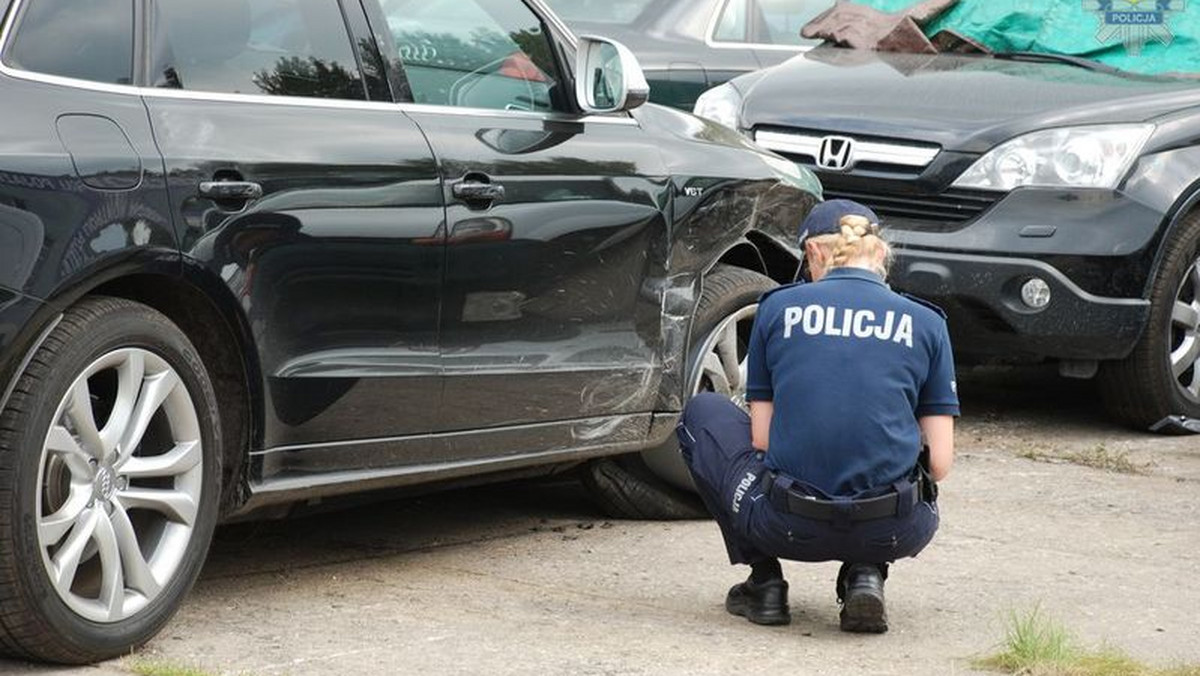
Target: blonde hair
[(859, 241)]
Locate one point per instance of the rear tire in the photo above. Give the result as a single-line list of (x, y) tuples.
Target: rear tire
[(1161, 377), (655, 484), (109, 479)]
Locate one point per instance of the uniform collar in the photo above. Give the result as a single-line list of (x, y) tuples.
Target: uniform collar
[(854, 273)]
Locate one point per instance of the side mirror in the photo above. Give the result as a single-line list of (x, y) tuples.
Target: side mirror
[(608, 78)]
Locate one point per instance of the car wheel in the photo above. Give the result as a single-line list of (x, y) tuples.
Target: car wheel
[(1161, 377), (109, 471), (655, 484)]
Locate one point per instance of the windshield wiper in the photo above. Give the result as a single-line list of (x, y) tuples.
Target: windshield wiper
[(1044, 57)]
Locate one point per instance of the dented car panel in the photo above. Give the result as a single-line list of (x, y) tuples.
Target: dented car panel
[(394, 331)]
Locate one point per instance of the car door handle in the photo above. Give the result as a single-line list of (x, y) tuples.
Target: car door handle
[(231, 191), (478, 191)]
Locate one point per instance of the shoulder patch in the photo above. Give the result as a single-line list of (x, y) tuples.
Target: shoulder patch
[(921, 301), (780, 288)]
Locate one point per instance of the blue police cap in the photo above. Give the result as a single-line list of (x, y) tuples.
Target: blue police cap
[(824, 218)]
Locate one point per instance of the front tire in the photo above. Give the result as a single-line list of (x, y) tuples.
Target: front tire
[(1161, 377), (656, 484), (109, 480)]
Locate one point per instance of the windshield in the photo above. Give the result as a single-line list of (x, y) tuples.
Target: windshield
[(622, 12), (1140, 36)]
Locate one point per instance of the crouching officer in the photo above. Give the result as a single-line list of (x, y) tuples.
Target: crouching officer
[(846, 379)]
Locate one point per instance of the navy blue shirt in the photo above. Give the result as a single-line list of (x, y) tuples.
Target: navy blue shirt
[(849, 365)]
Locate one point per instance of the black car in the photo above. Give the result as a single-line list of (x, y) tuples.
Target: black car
[(687, 46), (255, 253), (1048, 204)]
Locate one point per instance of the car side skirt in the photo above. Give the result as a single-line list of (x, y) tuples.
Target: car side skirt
[(292, 474)]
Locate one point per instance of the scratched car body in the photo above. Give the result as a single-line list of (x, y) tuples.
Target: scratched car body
[(259, 253)]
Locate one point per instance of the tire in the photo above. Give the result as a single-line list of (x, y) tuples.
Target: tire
[(104, 525), (1161, 377), (655, 484)]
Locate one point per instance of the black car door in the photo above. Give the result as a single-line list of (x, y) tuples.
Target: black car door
[(319, 208), (553, 220)]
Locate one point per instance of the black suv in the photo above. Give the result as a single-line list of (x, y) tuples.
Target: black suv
[(253, 253), (1047, 203)]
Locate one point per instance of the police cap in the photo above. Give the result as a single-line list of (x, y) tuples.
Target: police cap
[(824, 218)]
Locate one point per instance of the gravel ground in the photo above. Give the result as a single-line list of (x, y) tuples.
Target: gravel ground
[(524, 578)]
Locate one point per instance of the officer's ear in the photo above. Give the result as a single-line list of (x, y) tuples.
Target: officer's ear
[(815, 253), (816, 257)]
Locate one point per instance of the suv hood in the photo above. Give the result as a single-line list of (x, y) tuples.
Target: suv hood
[(965, 103)]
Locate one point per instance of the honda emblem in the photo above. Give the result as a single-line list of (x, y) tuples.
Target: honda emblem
[(836, 153)]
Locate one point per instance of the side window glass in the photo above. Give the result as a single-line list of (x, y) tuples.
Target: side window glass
[(271, 47), (474, 53), (783, 19), (83, 39), (731, 27)]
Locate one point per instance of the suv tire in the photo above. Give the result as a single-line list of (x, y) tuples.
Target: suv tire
[(1161, 377), (655, 484), (109, 478)]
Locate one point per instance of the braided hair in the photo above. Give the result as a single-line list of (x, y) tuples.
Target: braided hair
[(859, 241)]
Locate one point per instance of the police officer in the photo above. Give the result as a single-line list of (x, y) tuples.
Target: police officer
[(846, 380)]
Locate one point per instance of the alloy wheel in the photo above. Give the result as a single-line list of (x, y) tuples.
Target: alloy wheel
[(723, 366), (720, 368), (119, 485), (1183, 350)]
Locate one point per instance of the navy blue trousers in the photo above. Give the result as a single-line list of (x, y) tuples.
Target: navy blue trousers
[(714, 435)]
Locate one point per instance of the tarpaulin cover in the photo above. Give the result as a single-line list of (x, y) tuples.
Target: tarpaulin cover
[(1142, 36)]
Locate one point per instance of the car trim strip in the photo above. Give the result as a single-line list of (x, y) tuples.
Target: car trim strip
[(809, 145), (157, 93)]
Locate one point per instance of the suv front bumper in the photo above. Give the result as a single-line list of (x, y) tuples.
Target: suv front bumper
[(982, 299), (1094, 250)]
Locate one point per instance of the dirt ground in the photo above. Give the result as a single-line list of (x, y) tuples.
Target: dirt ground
[(529, 578)]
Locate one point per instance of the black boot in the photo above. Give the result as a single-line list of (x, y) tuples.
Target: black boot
[(860, 590), (761, 603)]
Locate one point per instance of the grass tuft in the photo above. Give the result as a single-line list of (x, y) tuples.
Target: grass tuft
[(1031, 640), (1036, 645), (1098, 457), (143, 666)]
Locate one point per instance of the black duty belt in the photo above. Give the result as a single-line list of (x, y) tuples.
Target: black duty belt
[(797, 502)]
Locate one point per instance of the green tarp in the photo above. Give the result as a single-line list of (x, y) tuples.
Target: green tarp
[(1142, 36)]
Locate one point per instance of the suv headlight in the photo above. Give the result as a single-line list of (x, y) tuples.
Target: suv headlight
[(1074, 157), (721, 104)]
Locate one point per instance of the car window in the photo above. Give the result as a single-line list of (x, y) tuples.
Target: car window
[(781, 20), (272, 47), (768, 22), (84, 39), (731, 27), (621, 12), (474, 53)]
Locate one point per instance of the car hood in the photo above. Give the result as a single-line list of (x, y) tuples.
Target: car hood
[(967, 103)]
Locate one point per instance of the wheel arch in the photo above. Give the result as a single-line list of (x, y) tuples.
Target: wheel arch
[(206, 311), (1185, 207), (759, 252)]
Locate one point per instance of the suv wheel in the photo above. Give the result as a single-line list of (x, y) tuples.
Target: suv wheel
[(655, 484), (109, 466), (1161, 377)]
